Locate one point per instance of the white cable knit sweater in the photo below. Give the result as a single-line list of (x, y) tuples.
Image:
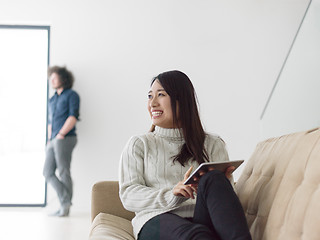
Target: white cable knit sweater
[(148, 174)]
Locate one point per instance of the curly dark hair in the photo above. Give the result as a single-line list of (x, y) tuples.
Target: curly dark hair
[(65, 76)]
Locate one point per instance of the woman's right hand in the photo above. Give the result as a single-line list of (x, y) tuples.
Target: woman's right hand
[(186, 191)]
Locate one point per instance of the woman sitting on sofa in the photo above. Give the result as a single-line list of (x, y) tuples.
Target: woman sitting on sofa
[(154, 166)]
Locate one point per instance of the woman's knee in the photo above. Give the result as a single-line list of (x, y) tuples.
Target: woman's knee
[(214, 175), (214, 179)]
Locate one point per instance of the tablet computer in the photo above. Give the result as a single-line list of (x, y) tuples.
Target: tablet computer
[(221, 166)]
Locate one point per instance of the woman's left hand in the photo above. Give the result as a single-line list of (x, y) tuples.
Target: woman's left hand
[(229, 171)]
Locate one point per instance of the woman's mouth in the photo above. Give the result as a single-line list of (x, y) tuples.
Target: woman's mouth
[(156, 114)]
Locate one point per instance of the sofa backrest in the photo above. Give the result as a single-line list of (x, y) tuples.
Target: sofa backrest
[(280, 188)]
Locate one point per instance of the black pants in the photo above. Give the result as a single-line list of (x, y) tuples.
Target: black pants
[(218, 215)]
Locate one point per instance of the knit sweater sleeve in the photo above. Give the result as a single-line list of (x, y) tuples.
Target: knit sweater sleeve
[(217, 149), (134, 193), (218, 152)]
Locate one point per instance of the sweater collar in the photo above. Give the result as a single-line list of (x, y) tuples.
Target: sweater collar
[(173, 133)]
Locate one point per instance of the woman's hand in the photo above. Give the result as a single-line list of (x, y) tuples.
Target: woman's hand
[(228, 173), (186, 191)]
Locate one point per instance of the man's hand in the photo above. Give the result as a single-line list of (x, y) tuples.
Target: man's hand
[(60, 136)]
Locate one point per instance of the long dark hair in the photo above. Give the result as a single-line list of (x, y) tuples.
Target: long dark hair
[(65, 76), (181, 92)]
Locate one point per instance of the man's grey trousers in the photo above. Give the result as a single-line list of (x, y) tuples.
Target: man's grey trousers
[(58, 156)]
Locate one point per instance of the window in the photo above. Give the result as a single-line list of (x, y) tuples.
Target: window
[(24, 59)]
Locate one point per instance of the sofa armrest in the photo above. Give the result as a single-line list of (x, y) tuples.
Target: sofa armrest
[(105, 198)]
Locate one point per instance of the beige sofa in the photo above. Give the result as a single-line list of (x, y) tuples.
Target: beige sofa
[(279, 189)]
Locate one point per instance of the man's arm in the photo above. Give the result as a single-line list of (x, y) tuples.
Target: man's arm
[(49, 131), (67, 126)]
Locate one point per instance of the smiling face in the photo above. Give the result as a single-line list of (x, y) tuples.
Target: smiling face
[(159, 106)]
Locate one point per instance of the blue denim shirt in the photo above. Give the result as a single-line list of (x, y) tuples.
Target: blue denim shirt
[(60, 108)]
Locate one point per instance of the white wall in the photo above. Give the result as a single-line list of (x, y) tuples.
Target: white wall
[(231, 49), (295, 103)]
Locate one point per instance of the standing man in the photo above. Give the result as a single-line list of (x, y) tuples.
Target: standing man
[(63, 115)]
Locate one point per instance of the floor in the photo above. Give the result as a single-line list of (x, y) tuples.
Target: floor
[(35, 224)]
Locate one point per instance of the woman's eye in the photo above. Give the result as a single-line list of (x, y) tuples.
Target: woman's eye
[(149, 96), (161, 94)]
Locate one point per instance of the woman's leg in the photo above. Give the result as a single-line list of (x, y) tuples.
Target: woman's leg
[(169, 226), (219, 208)]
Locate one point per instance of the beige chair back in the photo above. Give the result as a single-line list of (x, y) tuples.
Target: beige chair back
[(105, 198)]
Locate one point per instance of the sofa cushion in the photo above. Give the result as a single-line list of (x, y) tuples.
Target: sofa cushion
[(280, 188), (109, 227)]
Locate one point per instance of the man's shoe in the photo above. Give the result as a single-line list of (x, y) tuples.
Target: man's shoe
[(64, 211), (55, 214)]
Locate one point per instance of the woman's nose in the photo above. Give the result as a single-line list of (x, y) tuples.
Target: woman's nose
[(154, 102)]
